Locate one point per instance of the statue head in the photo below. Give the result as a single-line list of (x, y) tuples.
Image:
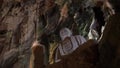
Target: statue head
[(65, 32)]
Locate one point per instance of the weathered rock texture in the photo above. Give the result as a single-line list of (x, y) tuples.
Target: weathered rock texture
[(109, 46), (17, 19), (17, 30)]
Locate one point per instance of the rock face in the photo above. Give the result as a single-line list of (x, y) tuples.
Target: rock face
[(17, 32), (109, 45), (9, 58)]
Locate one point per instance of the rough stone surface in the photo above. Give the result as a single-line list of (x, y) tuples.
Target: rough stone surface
[(17, 32), (109, 45), (9, 58)]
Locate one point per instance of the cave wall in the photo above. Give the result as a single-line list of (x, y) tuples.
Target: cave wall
[(17, 18), (17, 26), (109, 46)]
